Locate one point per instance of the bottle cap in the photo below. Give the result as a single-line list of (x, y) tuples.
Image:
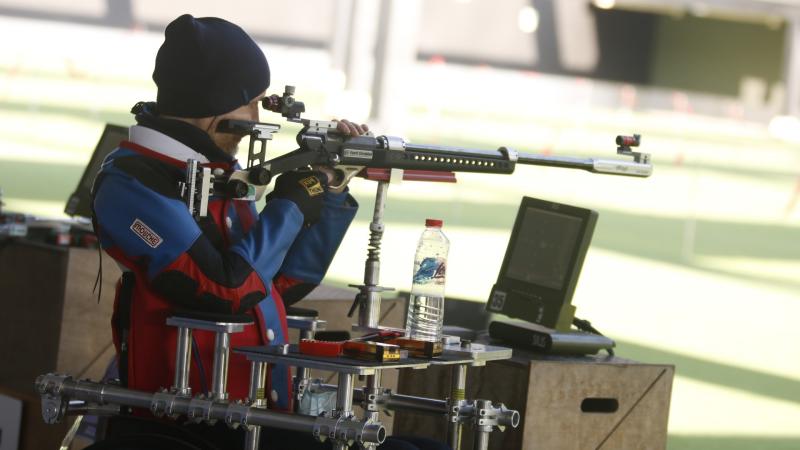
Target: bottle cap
[(436, 223)]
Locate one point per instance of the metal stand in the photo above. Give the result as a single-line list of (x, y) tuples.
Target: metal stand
[(183, 360), (369, 303), (341, 424), (456, 401), (307, 327), (219, 376), (369, 297), (222, 347), (57, 391), (258, 382), (62, 395), (344, 407)]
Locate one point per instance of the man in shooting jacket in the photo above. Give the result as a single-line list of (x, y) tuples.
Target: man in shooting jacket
[(235, 261)]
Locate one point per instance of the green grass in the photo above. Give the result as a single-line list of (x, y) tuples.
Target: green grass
[(695, 442), (751, 380)]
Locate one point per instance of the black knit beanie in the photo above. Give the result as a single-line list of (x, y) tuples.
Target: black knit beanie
[(206, 67)]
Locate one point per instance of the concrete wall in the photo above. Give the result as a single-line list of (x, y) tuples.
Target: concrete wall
[(714, 56)]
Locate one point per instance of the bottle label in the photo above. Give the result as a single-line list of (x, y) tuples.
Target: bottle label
[(431, 271)]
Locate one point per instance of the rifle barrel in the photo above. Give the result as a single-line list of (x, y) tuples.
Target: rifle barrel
[(606, 166)]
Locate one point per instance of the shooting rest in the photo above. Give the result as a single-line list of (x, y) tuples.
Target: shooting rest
[(340, 425)]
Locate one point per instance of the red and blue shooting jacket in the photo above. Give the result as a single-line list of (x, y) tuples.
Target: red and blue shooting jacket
[(234, 261)]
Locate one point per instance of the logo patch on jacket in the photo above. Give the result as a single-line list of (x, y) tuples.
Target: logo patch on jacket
[(312, 186), (148, 236)]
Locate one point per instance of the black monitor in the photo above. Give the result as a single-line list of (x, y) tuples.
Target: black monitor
[(80, 202), (543, 262)]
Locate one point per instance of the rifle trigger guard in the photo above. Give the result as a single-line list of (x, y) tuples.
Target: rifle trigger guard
[(348, 172)]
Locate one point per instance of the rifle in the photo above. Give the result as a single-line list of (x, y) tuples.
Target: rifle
[(321, 144)]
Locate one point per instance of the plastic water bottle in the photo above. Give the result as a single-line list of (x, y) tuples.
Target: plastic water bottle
[(426, 305)]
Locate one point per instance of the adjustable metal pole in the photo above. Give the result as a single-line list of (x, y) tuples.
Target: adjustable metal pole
[(301, 374), (219, 377), (370, 307), (183, 360), (258, 381), (344, 395), (482, 437), (222, 346), (458, 385), (344, 404), (373, 387), (482, 429)]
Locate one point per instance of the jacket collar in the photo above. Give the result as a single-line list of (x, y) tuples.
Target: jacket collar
[(184, 133), (159, 142)]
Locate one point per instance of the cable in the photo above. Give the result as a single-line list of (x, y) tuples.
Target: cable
[(585, 325), (200, 367), (98, 282)]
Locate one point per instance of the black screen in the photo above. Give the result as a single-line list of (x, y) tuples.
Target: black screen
[(544, 248), (542, 264)]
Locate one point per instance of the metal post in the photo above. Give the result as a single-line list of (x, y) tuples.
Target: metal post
[(457, 387), (370, 308), (183, 360), (344, 395), (483, 408), (344, 403), (373, 387), (219, 378), (252, 438), (302, 373), (482, 437), (258, 381)]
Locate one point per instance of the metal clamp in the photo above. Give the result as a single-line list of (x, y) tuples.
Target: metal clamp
[(392, 142), (237, 414), (200, 410), (53, 409), (374, 398), (484, 413), (341, 432), (348, 430), (163, 404), (483, 416), (460, 412), (54, 405), (495, 416)]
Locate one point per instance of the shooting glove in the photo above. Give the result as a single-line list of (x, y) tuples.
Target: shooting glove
[(306, 189)]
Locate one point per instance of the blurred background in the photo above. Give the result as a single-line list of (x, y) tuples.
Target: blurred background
[(697, 266)]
